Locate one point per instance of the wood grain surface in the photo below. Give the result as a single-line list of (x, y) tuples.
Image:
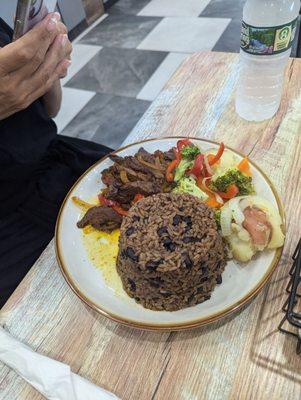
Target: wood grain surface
[(241, 357)]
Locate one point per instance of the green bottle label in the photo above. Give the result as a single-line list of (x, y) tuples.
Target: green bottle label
[(269, 40)]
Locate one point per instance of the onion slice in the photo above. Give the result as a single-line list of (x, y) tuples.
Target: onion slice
[(217, 196), (208, 167), (226, 219), (237, 212)]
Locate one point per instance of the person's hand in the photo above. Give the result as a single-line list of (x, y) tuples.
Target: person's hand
[(30, 66)]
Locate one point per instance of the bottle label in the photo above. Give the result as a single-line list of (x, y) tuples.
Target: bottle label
[(269, 40)]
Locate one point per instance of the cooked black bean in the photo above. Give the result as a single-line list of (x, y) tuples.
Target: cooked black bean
[(154, 284), (187, 219), (162, 230), (219, 279), (136, 218), (200, 290), (132, 284), (167, 242), (152, 265), (130, 231), (131, 254), (187, 261), (190, 239), (169, 245), (172, 247), (190, 298), (188, 228), (207, 297), (176, 219)]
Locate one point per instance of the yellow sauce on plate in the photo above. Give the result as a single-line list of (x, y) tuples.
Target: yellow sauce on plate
[(102, 250)]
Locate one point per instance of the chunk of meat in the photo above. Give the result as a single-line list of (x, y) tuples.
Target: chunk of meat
[(125, 193), (258, 226), (102, 218)]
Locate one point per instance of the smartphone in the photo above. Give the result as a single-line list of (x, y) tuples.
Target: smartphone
[(29, 13)]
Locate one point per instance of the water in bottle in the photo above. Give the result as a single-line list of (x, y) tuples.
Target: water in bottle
[(268, 31)]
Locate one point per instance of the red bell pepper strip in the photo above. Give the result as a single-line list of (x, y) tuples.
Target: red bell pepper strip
[(218, 155), (177, 154), (169, 172), (232, 191), (113, 204), (198, 166), (182, 143), (138, 197), (120, 210)]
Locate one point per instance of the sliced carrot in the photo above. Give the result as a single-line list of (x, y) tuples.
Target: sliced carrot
[(244, 167), (212, 202)]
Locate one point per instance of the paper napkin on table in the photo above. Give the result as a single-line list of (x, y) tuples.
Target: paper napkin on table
[(51, 378)]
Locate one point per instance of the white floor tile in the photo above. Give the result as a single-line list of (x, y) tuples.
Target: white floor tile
[(81, 55), (73, 101), (157, 81), (174, 8), (185, 35)]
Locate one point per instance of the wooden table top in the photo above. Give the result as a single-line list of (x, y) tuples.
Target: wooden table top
[(240, 357)]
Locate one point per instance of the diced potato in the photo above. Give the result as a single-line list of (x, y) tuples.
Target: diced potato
[(242, 251)]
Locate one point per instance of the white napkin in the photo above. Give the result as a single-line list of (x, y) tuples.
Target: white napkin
[(51, 378)]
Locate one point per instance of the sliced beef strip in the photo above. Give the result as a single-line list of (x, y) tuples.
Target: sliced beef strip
[(169, 155), (125, 193), (111, 175), (130, 162), (102, 218)]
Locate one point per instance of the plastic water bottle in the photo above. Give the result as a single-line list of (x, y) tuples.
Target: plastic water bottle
[(268, 31)]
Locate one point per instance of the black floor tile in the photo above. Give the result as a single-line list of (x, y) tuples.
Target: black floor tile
[(128, 7), (107, 119), (224, 9), (125, 31), (230, 39), (121, 72)]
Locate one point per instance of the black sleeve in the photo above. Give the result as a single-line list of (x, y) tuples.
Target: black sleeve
[(6, 33)]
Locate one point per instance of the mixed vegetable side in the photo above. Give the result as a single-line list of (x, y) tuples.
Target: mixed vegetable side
[(247, 222), (214, 176)]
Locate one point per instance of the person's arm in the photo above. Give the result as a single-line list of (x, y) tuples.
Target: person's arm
[(31, 66), (53, 99)]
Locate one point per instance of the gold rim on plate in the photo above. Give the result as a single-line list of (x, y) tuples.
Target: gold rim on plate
[(170, 326)]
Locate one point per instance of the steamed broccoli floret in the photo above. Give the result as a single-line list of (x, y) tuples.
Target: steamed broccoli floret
[(230, 177), (190, 152), (217, 217), (188, 185), (182, 168)]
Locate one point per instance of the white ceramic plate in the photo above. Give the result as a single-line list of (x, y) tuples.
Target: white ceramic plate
[(240, 282)]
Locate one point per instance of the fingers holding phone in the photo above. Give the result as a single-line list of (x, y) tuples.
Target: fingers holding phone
[(30, 65)]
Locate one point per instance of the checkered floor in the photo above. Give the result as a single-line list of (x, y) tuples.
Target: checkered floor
[(121, 63)]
